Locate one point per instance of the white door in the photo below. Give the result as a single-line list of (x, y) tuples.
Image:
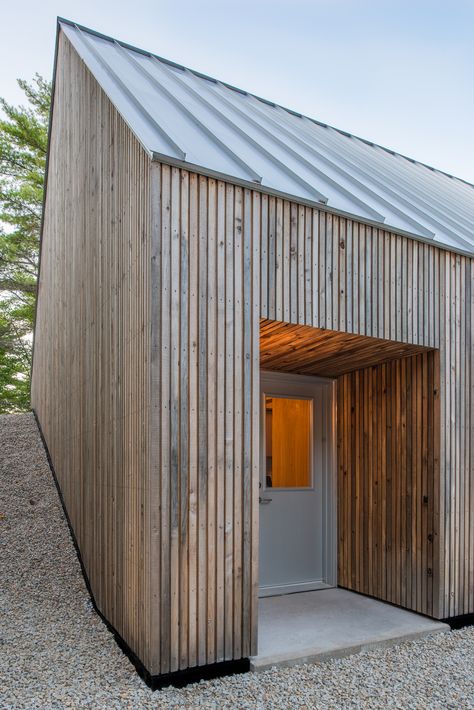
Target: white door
[(296, 504)]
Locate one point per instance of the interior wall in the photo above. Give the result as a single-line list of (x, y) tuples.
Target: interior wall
[(288, 442), (388, 481)]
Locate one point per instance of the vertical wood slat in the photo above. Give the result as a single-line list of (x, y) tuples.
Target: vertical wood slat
[(179, 315), (161, 276), (395, 419), (208, 418), (91, 382), (396, 288)]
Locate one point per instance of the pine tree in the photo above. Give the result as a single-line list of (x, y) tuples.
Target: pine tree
[(23, 147)]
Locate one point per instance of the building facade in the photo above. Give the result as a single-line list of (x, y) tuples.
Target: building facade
[(247, 388)]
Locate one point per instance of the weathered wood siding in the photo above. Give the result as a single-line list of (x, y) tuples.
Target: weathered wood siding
[(326, 271), (146, 381), (456, 343), (388, 471), (205, 417), (91, 375), (329, 272)]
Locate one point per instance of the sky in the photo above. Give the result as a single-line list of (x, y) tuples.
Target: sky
[(397, 72)]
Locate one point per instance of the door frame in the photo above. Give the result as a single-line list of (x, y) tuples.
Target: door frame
[(329, 476)]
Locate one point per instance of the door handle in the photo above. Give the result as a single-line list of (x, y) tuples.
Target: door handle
[(264, 501)]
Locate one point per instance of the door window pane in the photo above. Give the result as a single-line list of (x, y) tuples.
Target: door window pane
[(288, 435)]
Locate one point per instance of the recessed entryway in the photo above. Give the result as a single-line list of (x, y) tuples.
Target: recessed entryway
[(297, 484), (315, 626)]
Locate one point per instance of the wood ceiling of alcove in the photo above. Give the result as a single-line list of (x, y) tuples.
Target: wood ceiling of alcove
[(304, 350)]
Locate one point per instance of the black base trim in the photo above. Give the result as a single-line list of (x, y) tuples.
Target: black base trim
[(178, 678), (459, 622)]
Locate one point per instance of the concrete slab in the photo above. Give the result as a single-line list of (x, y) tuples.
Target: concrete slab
[(331, 623)]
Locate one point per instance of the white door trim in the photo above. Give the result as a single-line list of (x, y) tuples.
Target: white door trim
[(329, 503)]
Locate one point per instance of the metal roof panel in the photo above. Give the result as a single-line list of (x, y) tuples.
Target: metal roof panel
[(186, 117)]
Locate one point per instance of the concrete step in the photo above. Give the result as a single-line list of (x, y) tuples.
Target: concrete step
[(315, 626)]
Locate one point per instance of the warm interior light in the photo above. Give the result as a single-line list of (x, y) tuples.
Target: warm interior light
[(287, 442)]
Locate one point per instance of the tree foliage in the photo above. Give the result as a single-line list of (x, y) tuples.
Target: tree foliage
[(23, 146)]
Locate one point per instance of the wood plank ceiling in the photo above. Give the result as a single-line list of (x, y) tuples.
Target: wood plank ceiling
[(304, 350)]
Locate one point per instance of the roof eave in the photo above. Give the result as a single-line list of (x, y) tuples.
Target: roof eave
[(160, 158), (45, 188)]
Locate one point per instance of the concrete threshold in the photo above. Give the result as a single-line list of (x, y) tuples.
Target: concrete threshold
[(311, 627)]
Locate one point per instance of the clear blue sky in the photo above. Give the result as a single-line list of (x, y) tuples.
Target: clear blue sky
[(398, 72)]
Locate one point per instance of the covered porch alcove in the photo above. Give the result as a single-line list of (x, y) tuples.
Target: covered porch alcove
[(386, 481)]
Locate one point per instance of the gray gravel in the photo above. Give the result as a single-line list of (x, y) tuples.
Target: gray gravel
[(56, 653)]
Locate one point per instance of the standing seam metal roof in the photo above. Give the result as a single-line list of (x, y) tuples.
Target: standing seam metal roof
[(183, 117)]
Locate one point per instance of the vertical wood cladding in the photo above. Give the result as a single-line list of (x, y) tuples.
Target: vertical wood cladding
[(388, 470), (326, 271), (146, 384), (91, 380), (205, 416)]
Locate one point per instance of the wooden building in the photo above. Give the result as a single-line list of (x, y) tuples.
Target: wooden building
[(253, 357)]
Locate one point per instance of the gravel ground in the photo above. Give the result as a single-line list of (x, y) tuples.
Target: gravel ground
[(55, 652)]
